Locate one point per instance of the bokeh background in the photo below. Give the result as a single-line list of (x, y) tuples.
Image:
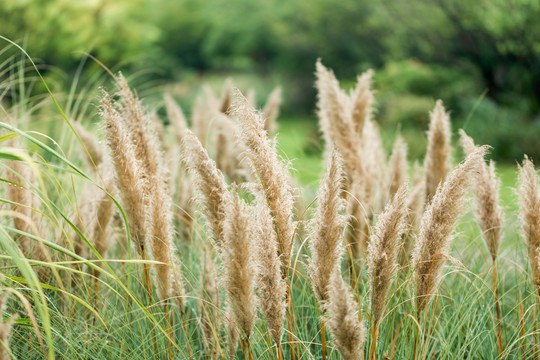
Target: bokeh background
[(481, 57)]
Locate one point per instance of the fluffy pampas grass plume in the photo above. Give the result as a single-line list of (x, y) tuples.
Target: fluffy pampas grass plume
[(327, 228), (529, 201), (271, 286), (438, 222), (210, 184), (128, 171), (270, 174), (437, 160), (346, 328), (382, 257), (239, 263)]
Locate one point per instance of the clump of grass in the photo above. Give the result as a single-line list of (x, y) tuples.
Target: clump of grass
[(254, 260)]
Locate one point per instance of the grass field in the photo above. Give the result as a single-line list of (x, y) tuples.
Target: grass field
[(104, 306)]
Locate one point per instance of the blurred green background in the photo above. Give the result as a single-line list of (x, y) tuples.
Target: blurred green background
[(481, 57)]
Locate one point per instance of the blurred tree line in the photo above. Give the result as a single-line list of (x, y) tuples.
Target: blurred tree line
[(481, 57)]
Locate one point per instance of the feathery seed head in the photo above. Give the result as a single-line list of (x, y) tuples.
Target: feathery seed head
[(271, 175), (437, 160), (489, 214), (384, 249), (348, 331), (438, 222), (209, 182), (529, 201), (239, 262), (327, 228)]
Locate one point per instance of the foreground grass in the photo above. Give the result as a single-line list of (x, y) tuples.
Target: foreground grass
[(113, 317), (81, 316)]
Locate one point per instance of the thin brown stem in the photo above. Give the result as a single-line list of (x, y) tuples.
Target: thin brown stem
[(374, 336), (279, 351), (169, 340), (497, 308), (249, 349), (535, 333), (418, 315), (323, 339), (289, 325), (425, 339)]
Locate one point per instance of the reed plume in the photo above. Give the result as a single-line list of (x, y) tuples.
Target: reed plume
[(210, 99), (270, 173), (227, 151), (161, 240), (398, 165), (185, 193), (176, 117), (239, 263), (209, 182), (336, 121), (209, 303), (183, 188), (374, 157), (104, 211), (344, 324), (438, 222), (327, 228), (128, 171), (338, 127), (362, 100), (96, 211), (437, 160), (141, 134), (383, 251), (382, 257), (271, 110), (415, 209), (529, 201), (417, 198), (199, 119), (489, 214), (251, 97), (271, 286), (226, 96)]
